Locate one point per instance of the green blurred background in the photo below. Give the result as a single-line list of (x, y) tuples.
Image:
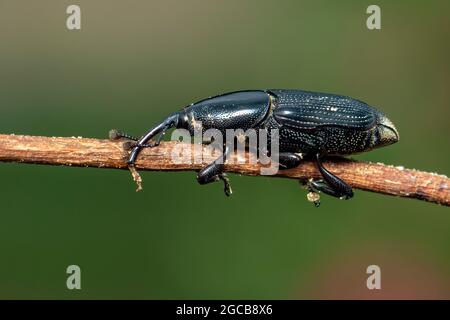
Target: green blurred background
[(134, 62)]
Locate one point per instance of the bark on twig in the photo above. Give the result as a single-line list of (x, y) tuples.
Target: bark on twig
[(85, 152)]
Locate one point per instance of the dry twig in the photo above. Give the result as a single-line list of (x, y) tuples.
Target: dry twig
[(86, 152)]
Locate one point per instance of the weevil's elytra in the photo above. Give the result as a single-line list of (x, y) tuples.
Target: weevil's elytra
[(312, 124)]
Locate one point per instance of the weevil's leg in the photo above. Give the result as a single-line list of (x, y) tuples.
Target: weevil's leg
[(142, 142), (322, 186), (214, 172), (330, 184), (288, 160), (226, 184)]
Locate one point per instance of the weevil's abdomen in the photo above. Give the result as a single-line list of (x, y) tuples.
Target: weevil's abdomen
[(340, 141)]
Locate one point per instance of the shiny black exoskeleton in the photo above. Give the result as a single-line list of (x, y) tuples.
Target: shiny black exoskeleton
[(310, 124)]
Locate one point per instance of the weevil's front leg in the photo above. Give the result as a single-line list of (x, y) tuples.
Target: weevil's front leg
[(214, 172), (330, 184)]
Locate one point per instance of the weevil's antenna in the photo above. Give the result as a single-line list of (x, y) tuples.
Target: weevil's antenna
[(115, 134)]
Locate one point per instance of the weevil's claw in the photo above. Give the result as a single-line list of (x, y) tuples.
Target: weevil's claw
[(227, 190)]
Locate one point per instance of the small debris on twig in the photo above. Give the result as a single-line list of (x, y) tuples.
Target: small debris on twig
[(136, 177)]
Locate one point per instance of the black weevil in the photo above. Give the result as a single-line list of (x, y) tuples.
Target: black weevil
[(310, 124)]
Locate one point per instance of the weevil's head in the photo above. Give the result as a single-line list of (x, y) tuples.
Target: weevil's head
[(385, 132)]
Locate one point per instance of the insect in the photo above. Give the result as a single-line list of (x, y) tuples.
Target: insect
[(311, 125)]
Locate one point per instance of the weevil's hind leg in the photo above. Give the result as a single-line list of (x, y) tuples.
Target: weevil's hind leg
[(320, 185), (330, 184), (226, 184), (288, 160), (214, 172)]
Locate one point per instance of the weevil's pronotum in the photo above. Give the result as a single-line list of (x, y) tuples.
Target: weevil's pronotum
[(311, 125)]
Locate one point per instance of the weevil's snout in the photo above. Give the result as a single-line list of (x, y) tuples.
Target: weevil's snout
[(387, 132)]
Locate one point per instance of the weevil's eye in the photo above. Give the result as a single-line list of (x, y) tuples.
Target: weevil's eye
[(387, 132)]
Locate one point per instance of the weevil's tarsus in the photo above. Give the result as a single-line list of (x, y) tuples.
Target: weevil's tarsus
[(330, 185), (227, 185), (319, 185), (214, 172)]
